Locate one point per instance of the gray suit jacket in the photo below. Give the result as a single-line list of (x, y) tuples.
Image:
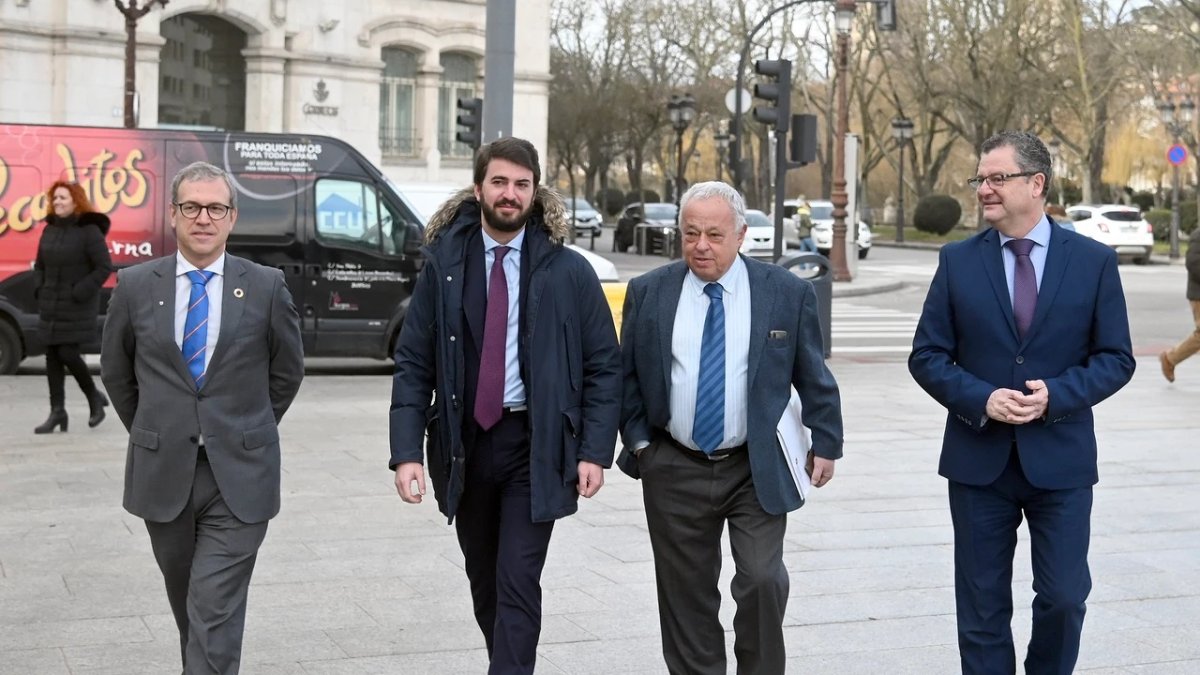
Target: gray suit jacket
[(785, 349), (253, 375)]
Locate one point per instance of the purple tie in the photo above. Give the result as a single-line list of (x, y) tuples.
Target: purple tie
[(1024, 285), (489, 396)]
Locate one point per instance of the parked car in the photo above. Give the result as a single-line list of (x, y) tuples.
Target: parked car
[(760, 235), (587, 219), (650, 228), (1121, 228), (822, 229)]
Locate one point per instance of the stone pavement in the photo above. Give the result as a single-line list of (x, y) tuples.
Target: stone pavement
[(351, 580)]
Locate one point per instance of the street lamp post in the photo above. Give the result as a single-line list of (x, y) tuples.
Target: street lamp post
[(1176, 127), (843, 20), (1055, 148), (681, 110), (721, 138), (902, 130)]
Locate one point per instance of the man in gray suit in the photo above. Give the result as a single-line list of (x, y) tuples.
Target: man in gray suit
[(201, 357), (711, 347)]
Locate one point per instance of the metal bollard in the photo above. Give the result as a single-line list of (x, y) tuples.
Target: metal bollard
[(822, 281)]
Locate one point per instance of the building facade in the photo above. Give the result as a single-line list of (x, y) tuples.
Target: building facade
[(383, 75)]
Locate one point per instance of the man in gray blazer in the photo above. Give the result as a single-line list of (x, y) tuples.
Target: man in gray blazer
[(201, 357), (711, 347)]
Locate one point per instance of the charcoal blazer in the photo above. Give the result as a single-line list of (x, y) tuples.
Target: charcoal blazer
[(786, 350)]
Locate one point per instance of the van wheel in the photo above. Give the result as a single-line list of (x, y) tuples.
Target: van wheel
[(10, 349), (862, 253)]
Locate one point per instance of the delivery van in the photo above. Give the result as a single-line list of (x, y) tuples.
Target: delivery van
[(311, 206)]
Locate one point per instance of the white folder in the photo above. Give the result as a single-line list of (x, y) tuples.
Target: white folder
[(795, 439)]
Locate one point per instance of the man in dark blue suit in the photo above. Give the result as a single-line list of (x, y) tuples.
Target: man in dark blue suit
[(1023, 331), (711, 347)]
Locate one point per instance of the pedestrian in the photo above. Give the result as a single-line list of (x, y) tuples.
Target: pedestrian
[(1056, 214), (1190, 344), (1023, 331), (512, 332), (712, 347), (71, 267), (202, 357)]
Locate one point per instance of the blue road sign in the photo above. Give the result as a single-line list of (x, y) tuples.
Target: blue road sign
[(1177, 154)]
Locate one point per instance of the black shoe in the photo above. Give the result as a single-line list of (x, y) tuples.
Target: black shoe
[(57, 418), (96, 402)]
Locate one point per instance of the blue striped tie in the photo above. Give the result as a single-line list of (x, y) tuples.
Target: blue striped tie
[(708, 429), (195, 326)]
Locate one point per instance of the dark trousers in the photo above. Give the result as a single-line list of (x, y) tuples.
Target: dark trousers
[(503, 548), (58, 358), (689, 499), (207, 556), (985, 539)]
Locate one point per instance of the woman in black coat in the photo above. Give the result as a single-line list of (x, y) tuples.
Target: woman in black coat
[(72, 265)]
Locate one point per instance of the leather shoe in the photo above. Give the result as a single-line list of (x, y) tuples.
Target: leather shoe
[(1168, 368)]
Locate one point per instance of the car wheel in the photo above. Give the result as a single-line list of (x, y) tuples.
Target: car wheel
[(10, 348), (823, 251), (1142, 260), (862, 253)]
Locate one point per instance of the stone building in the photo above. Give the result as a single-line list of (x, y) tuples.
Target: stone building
[(383, 75)]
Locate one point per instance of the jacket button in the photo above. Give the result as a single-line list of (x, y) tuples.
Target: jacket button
[(1020, 360), (449, 278), (194, 439), (199, 397), (452, 338)]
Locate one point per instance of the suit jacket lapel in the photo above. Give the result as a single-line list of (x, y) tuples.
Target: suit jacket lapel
[(993, 265), (1058, 253), (164, 315), (668, 304), (233, 305), (475, 287), (762, 304)]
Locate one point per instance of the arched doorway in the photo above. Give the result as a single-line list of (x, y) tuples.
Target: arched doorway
[(202, 74)]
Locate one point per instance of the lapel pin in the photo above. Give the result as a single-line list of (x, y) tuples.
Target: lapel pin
[(160, 303), (239, 293)]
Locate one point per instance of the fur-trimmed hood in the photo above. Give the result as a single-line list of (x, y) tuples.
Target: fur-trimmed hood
[(87, 218), (548, 203)]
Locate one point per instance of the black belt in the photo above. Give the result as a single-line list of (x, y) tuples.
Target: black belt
[(717, 455)]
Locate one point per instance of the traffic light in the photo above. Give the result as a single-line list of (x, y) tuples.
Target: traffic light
[(885, 15), (778, 92), (470, 122)]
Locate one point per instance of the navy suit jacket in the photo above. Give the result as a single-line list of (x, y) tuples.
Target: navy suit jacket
[(966, 346), (785, 350)]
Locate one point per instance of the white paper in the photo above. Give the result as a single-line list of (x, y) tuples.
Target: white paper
[(795, 439)]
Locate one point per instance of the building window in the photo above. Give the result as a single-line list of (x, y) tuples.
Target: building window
[(397, 133), (459, 74)]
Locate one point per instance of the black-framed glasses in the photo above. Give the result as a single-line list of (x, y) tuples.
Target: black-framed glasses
[(997, 180), (192, 210)]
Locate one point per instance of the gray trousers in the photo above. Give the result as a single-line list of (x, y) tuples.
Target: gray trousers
[(689, 499), (207, 556)]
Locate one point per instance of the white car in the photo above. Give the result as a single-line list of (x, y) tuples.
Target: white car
[(1121, 228), (760, 235), (822, 230)]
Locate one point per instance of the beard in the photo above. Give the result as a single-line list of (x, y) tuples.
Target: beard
[(501, 223)]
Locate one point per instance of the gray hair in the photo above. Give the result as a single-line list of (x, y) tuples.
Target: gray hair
[(1032, 155), (202, 171), (717, 189)]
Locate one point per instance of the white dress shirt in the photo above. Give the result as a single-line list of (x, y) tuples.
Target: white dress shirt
[(685, 354), (183, 293), (514, 388)]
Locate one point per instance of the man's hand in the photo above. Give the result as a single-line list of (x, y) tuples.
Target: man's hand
[(1037, 400), (822, 471), (1008, 405), (406, 474), (591, 478)]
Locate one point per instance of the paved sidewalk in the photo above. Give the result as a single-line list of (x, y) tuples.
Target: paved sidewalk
[(351, 580)]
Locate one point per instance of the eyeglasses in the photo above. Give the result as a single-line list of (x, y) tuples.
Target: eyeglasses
[(192, 210), (997, 180)]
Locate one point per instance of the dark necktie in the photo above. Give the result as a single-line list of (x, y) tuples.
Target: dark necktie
[(489, 395), (1024, 285), (195, 325), (708, 429)]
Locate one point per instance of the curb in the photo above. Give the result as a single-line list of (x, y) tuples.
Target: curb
[(850, 291), (920, 245)]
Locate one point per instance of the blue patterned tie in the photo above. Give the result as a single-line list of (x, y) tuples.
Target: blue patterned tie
[(708, 429), (195, 326)]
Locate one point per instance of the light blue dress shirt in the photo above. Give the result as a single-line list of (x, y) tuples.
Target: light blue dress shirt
[(1040, 234), (514, 388)]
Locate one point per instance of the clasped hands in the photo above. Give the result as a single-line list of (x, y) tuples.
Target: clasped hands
[(1014, 407)]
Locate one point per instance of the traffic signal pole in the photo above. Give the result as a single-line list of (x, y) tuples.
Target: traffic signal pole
[(499, 69)]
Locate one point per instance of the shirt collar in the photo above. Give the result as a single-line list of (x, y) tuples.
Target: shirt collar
[(183, 265), (731, 282), (1040, 234), (515, 244)]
